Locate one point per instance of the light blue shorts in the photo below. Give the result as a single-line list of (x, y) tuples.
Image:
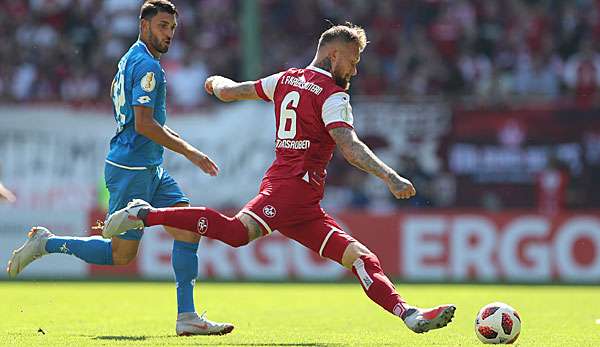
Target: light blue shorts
[(153, 185)]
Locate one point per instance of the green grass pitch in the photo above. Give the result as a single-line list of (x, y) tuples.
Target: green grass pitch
[(131, 314)]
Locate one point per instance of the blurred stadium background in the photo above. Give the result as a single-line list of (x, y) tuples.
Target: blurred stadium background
[(491, 108)]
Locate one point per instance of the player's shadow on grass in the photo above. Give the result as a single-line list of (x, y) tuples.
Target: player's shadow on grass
[(142, 338), (332, 344), (309, 344), (120, 338), (283, 344)]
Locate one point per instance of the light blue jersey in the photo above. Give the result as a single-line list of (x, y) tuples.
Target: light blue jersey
[(132, 169), (140, 81)]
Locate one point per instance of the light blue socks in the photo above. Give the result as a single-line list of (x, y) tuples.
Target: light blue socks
[(93, 250), (185, 265)]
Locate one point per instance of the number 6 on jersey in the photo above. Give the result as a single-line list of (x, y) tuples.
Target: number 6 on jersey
[(285, 113)]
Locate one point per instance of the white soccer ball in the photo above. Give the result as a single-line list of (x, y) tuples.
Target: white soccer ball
[(497, 323)]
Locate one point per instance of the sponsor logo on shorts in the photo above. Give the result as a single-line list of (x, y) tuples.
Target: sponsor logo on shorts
[(202, 225), (269, 211)]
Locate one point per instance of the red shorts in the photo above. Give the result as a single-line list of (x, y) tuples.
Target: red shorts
[(291, 206)]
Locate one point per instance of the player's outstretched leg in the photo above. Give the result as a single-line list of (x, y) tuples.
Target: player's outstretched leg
[(32, 249), (422, 320), (379, 288), (41, 241), (201, 220)]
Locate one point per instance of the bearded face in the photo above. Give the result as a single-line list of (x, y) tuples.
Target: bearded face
[(345, 65), (341, 79), (161, 46), (158, 31)]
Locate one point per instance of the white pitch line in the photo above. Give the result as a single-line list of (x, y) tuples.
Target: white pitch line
[(597, 321)]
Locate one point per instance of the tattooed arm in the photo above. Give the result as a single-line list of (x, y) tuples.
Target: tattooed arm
[(361, 156), (228, 90)]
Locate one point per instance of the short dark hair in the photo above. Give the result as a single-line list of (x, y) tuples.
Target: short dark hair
[(150, 8), (346, 33)]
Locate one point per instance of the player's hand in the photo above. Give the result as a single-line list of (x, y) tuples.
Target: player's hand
[(208, 84), (202, 161), (6, 195), (400, 186)]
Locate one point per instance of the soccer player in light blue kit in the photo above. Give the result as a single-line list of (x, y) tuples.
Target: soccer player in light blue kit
[(133, 170)]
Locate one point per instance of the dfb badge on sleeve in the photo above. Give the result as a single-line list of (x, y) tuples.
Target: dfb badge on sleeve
[(148, 82)]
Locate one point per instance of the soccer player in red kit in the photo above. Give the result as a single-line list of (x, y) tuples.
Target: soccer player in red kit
[(313, 116)]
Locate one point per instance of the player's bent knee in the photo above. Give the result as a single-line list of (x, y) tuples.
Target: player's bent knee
[(124, 251), (253, 230), (354, 251), (123, 259), (238, 234), (183, 235)]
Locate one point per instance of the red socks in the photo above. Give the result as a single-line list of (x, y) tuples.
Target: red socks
[(376, 284), (201, 220)]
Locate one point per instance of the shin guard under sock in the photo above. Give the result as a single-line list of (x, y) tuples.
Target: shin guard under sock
[(376, 284)]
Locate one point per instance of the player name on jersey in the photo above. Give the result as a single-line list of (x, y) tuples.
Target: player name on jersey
[(292, 144), (298, 83)]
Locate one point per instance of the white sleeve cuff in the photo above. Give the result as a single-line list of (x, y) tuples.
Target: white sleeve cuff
[(269, 83)]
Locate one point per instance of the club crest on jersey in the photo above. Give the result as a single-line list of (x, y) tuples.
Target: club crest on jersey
[(202, 225), (269, 211), (148, 82)]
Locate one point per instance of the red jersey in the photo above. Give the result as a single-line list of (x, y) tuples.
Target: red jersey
[(307, 103)]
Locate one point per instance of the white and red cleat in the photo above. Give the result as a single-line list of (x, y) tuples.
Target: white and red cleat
[(189, 324), (422, 320), (124, 219), (32, 249)]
